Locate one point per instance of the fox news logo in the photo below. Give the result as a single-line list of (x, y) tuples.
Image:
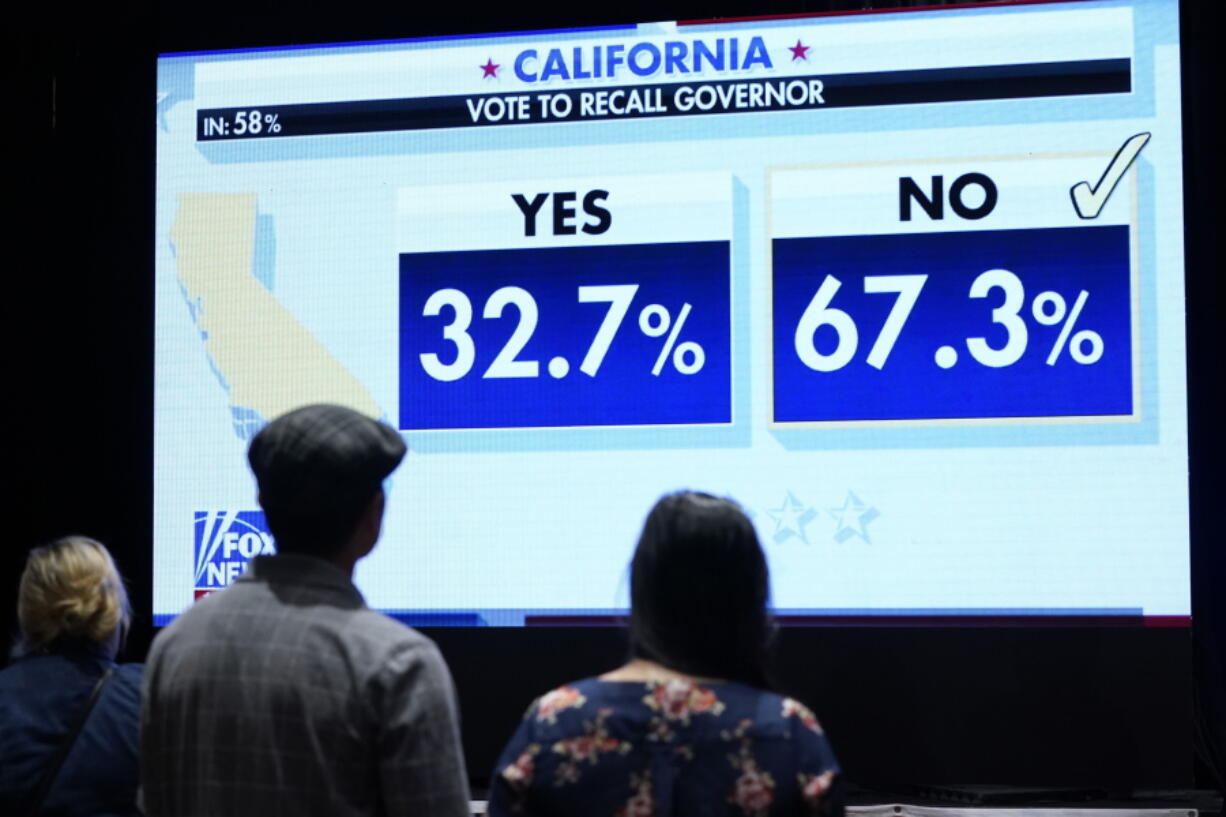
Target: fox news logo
[(225, 541)]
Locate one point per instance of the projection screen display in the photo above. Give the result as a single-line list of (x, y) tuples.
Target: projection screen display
[(907, 286)]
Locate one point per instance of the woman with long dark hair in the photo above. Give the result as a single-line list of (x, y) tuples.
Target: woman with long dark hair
[(688, 725)]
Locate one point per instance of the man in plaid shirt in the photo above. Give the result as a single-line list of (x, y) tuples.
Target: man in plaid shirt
[(285, 694)]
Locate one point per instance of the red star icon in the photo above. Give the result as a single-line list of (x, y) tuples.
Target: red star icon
[(799, 52), (490, 68)]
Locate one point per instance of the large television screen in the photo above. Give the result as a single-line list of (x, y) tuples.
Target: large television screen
[(907, 286)]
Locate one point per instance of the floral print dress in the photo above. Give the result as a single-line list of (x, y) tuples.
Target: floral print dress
[(658, 749)]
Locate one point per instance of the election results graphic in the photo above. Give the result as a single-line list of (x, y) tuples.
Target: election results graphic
[(225, 543), (579, 298), (907, 286)]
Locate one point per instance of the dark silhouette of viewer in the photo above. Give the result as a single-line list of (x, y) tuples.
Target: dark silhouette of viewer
[(69, 715), (284, 693), (687, 726)]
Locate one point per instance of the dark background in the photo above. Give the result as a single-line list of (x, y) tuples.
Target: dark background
[(1119, 708)]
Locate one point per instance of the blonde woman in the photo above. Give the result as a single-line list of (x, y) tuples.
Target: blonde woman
[(69, 716)]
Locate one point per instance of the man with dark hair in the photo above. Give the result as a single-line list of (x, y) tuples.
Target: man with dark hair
[(285, 693)]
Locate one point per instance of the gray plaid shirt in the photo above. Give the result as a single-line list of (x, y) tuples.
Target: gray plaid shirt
[(286, 695)]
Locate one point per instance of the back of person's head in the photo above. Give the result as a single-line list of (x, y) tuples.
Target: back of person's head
[(318, 469), (699, 590), (71, 594)]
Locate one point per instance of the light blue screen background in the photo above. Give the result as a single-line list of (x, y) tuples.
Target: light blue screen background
[(997, 517)]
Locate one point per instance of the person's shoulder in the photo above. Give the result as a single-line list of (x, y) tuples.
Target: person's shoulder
[(21, 675), (574, 695), (384, 645), (168, 634), (129, 675), (769, 712), (798, 715), (125, 684), (15, 669), (38, 672), (591, 687), (381, 631), (122, 697), (206, 612)]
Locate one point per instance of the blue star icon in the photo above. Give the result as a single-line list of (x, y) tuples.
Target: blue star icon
[(853, 519), (791, 518)]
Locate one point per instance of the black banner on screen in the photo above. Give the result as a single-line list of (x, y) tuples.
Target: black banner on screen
[(1022, 81)]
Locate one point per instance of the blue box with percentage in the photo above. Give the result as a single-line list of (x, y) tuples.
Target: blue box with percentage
[(956, 325), (631, 335)]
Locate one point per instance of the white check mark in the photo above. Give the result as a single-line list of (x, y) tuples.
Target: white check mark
[(1089, 201)]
